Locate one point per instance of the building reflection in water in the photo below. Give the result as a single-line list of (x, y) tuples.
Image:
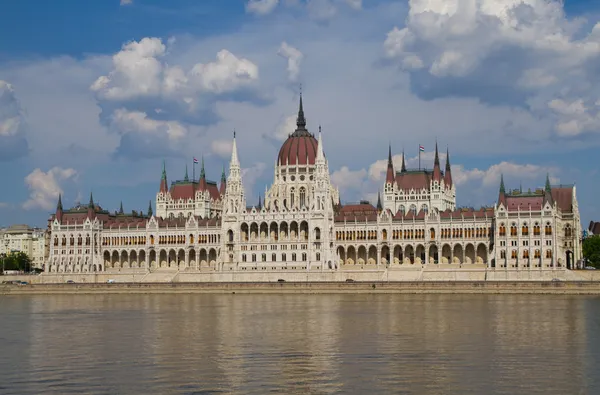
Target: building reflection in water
[(421, 344)]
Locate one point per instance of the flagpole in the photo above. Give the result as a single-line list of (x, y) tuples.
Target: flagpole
[(193, 170), (419, 156)]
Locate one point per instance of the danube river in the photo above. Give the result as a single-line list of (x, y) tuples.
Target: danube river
[(296, 344)]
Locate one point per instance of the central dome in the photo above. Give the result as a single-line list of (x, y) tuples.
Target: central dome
[(300, 148)]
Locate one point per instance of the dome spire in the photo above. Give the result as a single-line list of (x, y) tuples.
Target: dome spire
[(300, 120)]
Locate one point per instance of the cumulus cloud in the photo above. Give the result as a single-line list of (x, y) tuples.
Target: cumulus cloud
[(12, 136), (44, 187), (294, 59), (144, 94), (250, 176), (346, 179), (140, 71), (222, 148), (126, 2), (514, 51), (261, 7)]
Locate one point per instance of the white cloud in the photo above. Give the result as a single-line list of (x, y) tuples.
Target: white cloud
[(346, 179), (10, 110), (138, 71), (294, 59), (261, 7), (126, 2), (44, 187), (136, 121), (250, 175), (466, 40), (222, 148), (356, 4)]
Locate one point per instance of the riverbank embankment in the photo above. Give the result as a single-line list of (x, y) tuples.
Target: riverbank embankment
[(435, 287)]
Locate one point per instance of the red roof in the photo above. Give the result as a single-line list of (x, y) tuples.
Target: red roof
[(417, 180), (524, 203), (298, 149), (187, 190), (563, 196)]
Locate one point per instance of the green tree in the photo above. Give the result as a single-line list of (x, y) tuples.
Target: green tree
[(591, 250), (17, 261)]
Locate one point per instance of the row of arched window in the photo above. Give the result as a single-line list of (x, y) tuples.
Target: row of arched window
[(263, 257), (173, 239), (536, 255), (72, 241), (514, 230)]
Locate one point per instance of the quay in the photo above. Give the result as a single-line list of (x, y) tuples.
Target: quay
[(358, 287)]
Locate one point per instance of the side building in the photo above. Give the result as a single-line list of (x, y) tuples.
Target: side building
[(301, 224), (23, 238)]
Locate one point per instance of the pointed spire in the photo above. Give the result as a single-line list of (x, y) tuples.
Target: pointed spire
[(437, 172), (447, 173), (164, 187), (403, 169), (379, 206), (300, 120), (223, 177), (390, 174), (91, 204), (259, 202), (59, 206), (548, 190), (121, 208), (150, 213), (91, 207), (186, 178), (202, 173), (234, 154), (320, 154), (502, 193)]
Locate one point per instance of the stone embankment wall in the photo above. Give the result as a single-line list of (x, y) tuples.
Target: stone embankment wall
[(407, 287), (436, 273)]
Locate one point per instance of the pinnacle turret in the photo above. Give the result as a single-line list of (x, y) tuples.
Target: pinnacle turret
[(403, 168), (390, 174), (186, 178), (121, 208), (150, 213)]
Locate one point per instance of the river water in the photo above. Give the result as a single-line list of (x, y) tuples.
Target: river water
[(297, 344)]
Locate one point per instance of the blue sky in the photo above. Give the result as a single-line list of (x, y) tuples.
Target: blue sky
[(94, 95)]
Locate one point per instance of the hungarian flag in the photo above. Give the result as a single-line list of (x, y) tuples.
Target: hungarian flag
[(421, 148), (195, 161)]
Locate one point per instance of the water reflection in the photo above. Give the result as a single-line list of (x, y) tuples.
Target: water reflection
[(255, 344)]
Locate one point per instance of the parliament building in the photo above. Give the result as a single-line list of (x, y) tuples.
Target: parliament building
[(301, 224)]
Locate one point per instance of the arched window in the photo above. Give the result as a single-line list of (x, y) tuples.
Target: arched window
[(413, 208), (502, 230), (253, 257), (292, 198), (568, 231), (273, 257), (548, 253), (317, 234), (424, 208), (318, 256), (294, 257), (402, 210), (513, 254), (525, 229), (302, 197), (304, 256), (548, 229), (264, 257), (229, 236), (513, 229), (283, 257), (502, 254), (525, 253), (432, 233), (192, 239), (243, 257)]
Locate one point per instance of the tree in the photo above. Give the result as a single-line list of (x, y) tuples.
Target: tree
[(591, 250), (17, 261)]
